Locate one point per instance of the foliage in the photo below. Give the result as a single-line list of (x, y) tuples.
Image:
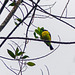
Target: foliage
[(11, 53), (30, 64), (38, 31), (20, 54), (12, 4)]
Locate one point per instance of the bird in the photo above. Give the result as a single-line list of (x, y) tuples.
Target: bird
[(45, 35)]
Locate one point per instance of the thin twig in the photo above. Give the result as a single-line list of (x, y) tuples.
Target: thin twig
[(42, 15), (21, 12), (65, 8), (47, 70), (12, 46), (16, 27), (42, 10), (10, 15), (17, 45), (56, 17), (30, 23), (14, 69), (3, 6), (52, 14), (25, 7), (33, 58), (14, 14), (46, 54), (8, 67), (42, 56), (41, 71)]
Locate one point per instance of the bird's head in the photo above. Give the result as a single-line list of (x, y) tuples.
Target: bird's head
[(43, 29)]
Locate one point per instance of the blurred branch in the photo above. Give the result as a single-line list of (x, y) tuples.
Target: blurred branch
[(30, 23), (49, 13), (43, 55), (8, 67), (65, 8), (56, 17), (42, 10), (17, 45), (16, 27), (3, 6), (23, 38), (41, 71), (30, 58), (25, 7), (21, 12), (10, 15), (33, 58), (40, 16), (51, 5), (47, 70), (13, 14)]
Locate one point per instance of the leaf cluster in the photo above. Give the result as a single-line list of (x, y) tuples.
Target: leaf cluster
[(38, 31), (19, 53), (19, 20)]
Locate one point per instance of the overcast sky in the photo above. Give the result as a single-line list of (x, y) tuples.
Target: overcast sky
[(62, 61)]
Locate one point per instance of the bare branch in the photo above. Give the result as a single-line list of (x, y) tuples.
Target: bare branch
[(47, 70), (16, 27), (41, 71), (49, 13), (10, 15), (17, 45), (65, 8), (56, 17), (33, 58), (23, 38), (21, 12), (8, 67), (30, 23), (3, 6)]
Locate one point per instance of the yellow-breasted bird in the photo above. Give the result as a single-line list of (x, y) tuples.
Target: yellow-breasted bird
[(45, 35)]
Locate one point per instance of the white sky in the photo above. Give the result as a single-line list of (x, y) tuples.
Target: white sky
[(62, 61)]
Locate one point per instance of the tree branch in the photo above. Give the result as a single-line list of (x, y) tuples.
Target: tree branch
[(30, 22), (65, 8), (3, 6), (23, 38), (7, 19), (16, 27)]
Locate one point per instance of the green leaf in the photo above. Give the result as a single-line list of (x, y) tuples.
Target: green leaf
[(20, 53), (12, 4), (37, 31), (30, 64), (18, 19), (42, 28), (16, 23), (24, 57), (17, 50), (35, 35), (11, 53)]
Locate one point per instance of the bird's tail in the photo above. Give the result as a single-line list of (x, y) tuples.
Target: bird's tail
[(51, 47)]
